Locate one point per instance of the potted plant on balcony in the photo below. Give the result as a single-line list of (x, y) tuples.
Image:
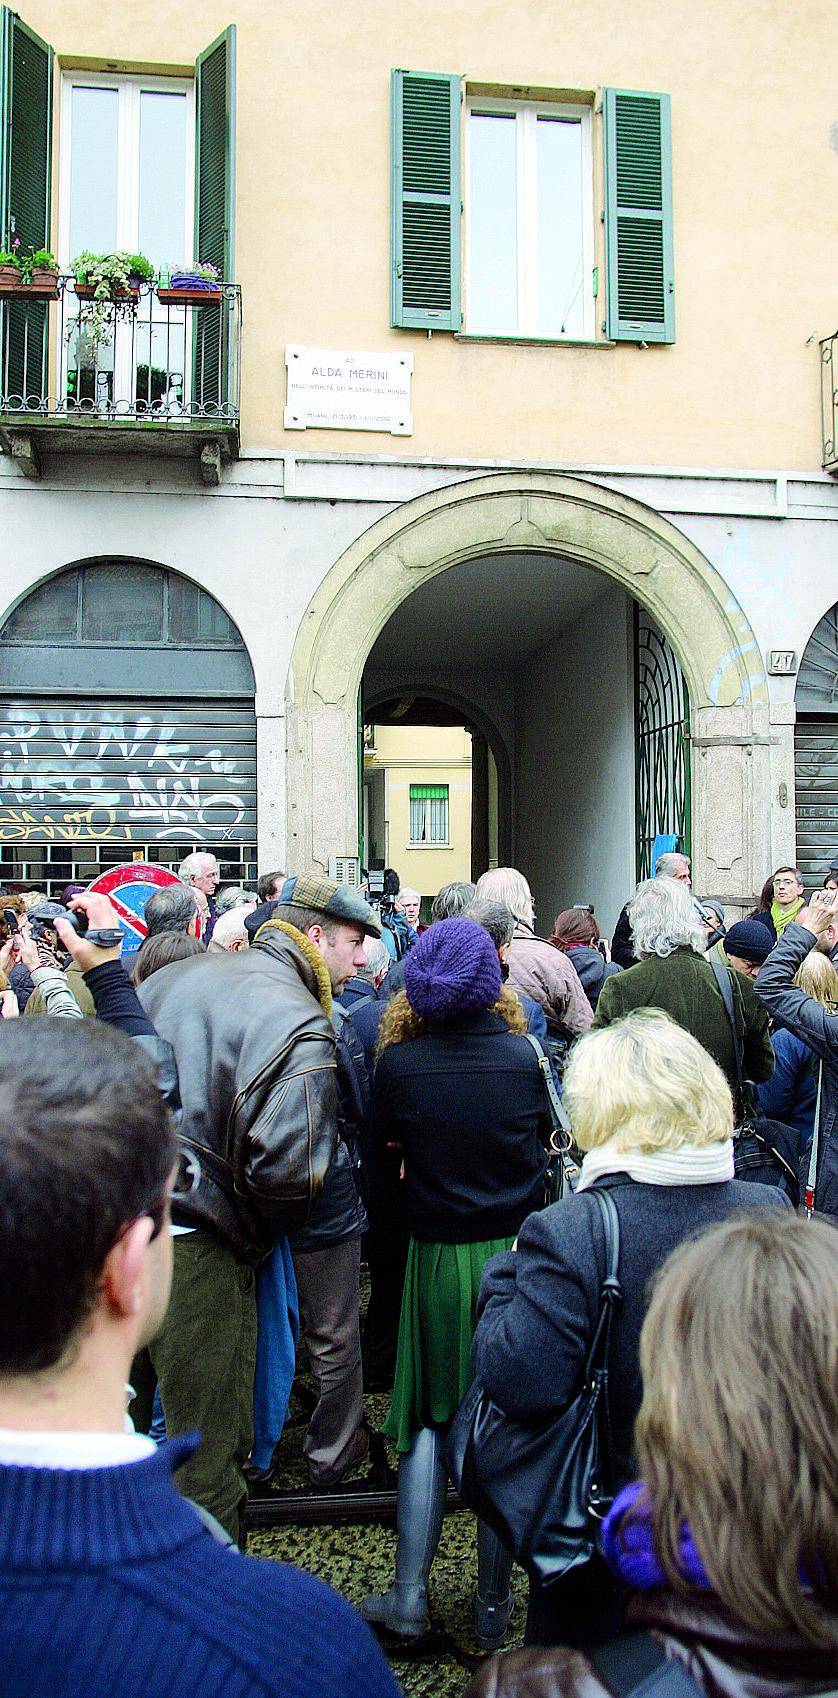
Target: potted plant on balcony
[(34, 272), (196, 286), (112, 278), (108, 288)]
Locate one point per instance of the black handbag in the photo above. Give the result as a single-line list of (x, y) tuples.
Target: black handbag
[(543, 1488), (562, 1171)]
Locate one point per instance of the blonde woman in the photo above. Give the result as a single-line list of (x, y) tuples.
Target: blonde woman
[(654, 1114), (791, 1093), (726, 1542)]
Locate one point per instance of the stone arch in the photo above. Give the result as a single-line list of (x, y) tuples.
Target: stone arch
[(576, 520)]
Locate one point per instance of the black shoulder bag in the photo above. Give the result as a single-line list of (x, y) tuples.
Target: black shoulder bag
[(562, 1173), (543, 1487), (755, 1154)]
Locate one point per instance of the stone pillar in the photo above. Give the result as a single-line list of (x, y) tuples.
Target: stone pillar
[(732, 804), (270, 769), (322, 783), (479, 805)]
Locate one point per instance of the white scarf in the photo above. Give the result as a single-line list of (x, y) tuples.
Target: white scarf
[(685, 1166)]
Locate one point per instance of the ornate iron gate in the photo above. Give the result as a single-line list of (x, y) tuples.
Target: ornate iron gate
[(816, 751), (662, 744)]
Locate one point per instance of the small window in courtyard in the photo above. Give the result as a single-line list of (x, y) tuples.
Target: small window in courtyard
[(429, 813)]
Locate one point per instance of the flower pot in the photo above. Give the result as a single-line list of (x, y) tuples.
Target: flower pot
[(43, 283), (190, 289), (87, 292), (189, 297)]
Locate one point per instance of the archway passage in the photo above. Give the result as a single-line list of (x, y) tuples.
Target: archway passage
[(577, 711), (127, 727), (816, 752), (736, 758)]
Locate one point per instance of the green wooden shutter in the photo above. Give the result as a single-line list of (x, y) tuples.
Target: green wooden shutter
[(426, 201), (638, 217), (215, 210), (25, 170)]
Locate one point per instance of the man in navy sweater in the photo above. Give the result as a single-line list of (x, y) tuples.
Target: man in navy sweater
[(109, 1580)]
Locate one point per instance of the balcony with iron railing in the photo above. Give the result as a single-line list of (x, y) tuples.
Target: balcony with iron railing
[(829, 402), (157, 370)]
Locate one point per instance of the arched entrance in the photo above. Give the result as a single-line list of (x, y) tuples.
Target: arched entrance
[(127, 726), (571, 520), (816, 751)]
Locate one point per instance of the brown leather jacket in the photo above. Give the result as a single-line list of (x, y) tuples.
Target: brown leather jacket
[(723, 1657), (255, 1053)]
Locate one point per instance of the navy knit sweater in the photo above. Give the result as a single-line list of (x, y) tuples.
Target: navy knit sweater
[(111, 1586)]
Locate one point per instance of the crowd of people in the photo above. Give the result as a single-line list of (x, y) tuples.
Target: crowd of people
[(312, 1123)]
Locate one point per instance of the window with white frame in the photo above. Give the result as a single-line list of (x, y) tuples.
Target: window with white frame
[(127, 185), (529, 220), (429, 813)]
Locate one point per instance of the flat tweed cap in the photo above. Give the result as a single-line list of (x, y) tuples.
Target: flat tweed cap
[(337, 901)]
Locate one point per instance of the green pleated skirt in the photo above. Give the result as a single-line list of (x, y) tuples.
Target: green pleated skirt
[(433, 1367)]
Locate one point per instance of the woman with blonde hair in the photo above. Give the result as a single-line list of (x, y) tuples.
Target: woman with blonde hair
[(654, 1115), (726, 1544), (458, 1091)]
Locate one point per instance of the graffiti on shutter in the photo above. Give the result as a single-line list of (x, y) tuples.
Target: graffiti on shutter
[(133, 773)]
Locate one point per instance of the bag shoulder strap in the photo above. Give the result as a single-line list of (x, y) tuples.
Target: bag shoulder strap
[(636, 1666), (812, 1171), (558, 1112), (722, 977)]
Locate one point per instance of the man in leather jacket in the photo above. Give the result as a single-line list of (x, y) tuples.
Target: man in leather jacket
[(255, 1052)]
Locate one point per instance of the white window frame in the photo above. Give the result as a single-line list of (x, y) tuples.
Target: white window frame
[(129, 89), (527, 114), (430, 842)]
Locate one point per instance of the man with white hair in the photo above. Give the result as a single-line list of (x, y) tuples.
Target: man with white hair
[(200, 872), (670, 864), (536, 969), (674, 974), (229, 932)]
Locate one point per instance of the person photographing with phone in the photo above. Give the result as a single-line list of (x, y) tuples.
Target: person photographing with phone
[(814, 927)]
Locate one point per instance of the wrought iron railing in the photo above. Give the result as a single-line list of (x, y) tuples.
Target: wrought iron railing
[(153, 357), (829, 402)]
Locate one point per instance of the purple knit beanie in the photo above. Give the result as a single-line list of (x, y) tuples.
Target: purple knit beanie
[(453, 969)]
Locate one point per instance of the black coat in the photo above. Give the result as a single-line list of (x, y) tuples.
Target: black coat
[(622, 943), (467, 1105), (593, 969), (338, 1214), (538, 1304), (818, 1028)]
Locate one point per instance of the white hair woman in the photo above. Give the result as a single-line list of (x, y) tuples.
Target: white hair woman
[(654, 1115), (674, 974), (536, 969)]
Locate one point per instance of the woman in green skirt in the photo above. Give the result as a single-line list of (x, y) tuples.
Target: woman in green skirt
[(458, 1091)]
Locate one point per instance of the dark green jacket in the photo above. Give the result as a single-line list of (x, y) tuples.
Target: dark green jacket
[(682, 984)]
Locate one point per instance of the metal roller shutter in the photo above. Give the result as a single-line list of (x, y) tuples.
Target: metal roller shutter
[(87, 784), (816, 796)]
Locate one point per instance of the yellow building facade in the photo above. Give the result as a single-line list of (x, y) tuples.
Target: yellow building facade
[(417, 784), (514, 416)]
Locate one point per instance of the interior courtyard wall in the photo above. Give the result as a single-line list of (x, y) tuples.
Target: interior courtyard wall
[(574, 835)]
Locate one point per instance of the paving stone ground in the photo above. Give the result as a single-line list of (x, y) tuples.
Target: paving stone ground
[(359, 1558)]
